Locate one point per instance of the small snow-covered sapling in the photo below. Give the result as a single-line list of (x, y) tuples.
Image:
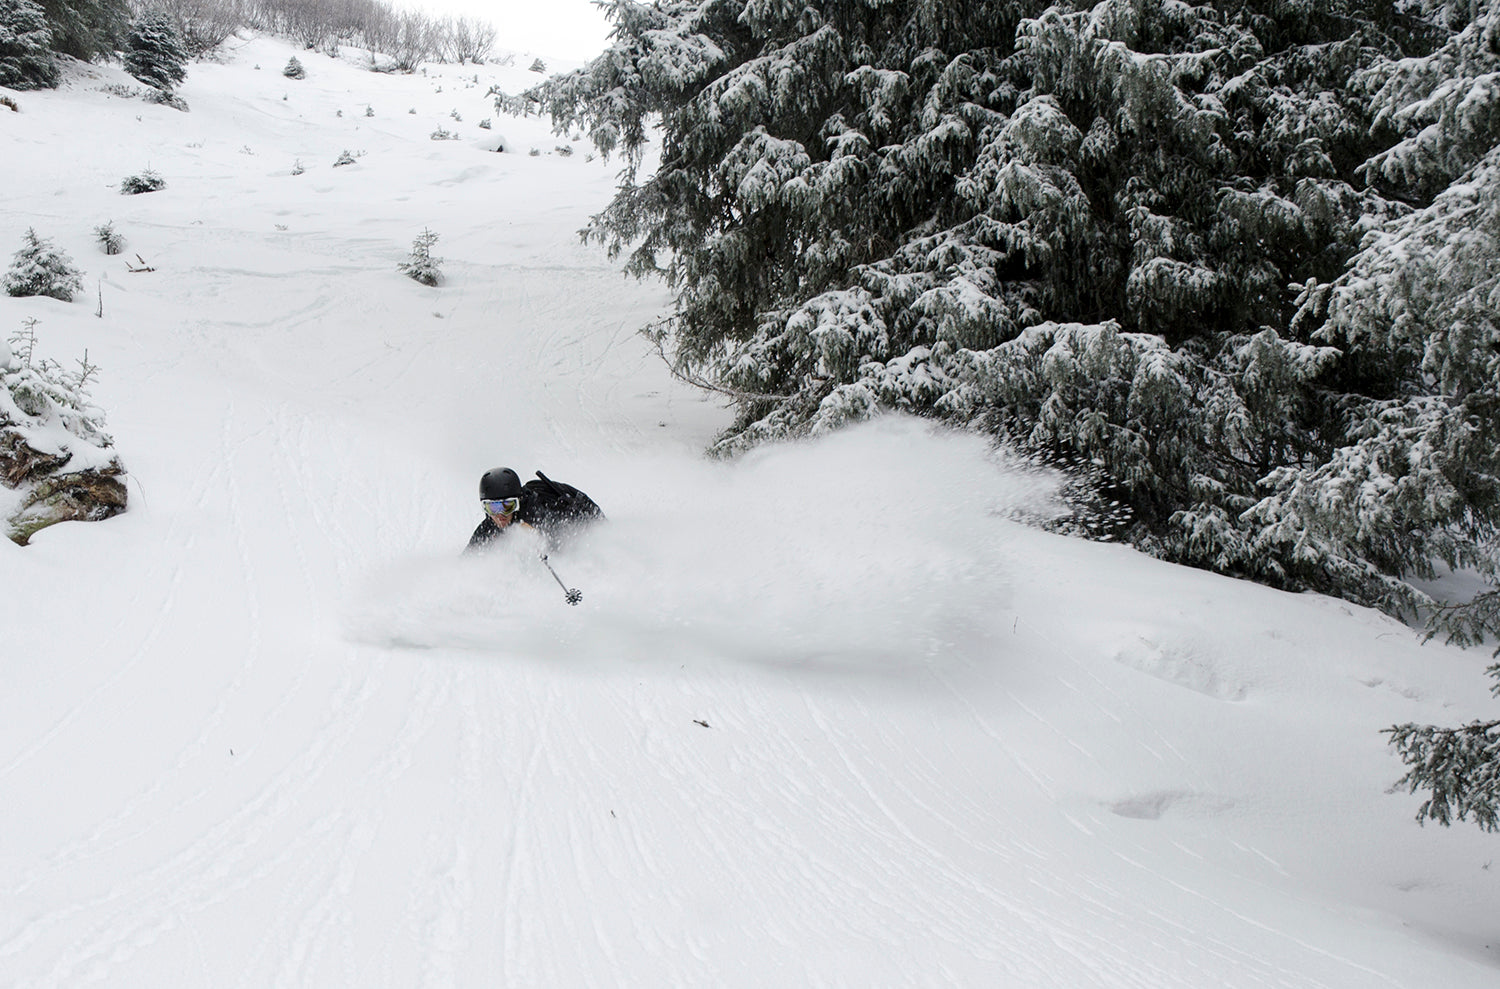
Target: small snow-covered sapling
[(420, 264), (41, 269), (146, 181), (110, 240)]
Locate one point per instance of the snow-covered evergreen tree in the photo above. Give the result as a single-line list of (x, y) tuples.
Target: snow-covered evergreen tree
[(294, 69), (154, 52), (1416, 480), (26, 60), (420, 264), (1419, 481), (1242, 259), (87, 29), (147, 181), (1128, 235), (110, 240), (38, 268)]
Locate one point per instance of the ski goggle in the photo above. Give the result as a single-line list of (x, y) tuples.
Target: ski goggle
[(501, 506)]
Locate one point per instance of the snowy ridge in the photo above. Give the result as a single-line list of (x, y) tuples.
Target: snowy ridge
[(826, 715)]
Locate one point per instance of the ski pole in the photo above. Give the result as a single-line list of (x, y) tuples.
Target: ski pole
[(572, 594)]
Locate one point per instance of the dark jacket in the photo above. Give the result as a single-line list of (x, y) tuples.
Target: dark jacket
[(547, 506), (488, 530)]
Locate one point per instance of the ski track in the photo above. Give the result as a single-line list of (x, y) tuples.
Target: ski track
[(143, 648), (100, 842), (518, 835), (145, 906), (197, 873)]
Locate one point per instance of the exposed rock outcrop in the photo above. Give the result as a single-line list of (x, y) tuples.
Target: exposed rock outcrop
[(50, 493), (56, 462)]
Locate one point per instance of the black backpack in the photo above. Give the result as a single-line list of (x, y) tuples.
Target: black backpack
[(553, 505)]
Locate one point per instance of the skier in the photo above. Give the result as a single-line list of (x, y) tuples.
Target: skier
[(543, 504)]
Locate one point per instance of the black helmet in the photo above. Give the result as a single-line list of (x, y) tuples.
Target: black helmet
[(501, 482)]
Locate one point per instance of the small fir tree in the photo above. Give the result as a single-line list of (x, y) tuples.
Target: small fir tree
[(110, 240), (26, 59), (154, 52), (146, 181), (420, 264), (24, 342), (41, 269), (294, 69)]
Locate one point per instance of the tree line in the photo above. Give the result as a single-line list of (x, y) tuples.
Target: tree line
[(32, 32)]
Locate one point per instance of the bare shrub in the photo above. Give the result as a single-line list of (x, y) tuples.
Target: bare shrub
[(469, 39), (203, 25)]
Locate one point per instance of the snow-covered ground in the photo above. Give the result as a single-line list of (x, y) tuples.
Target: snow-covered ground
[(825, 716)]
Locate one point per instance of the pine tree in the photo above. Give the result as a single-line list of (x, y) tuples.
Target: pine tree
[(906, 205), (1241, 259), (1077, 229), (294, 69), (420, 263), (147, 181), (87, 29), (39, 268), (110, 240), (154, 52), (26, 60), (1421, 482)]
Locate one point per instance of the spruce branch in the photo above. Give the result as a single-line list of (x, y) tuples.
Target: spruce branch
[(657, 333), (1459, 767), (1467, 623)]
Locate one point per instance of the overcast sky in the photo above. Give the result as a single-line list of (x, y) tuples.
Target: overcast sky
[(570, 29)]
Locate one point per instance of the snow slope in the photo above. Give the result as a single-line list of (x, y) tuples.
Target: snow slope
[(825, 716)]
